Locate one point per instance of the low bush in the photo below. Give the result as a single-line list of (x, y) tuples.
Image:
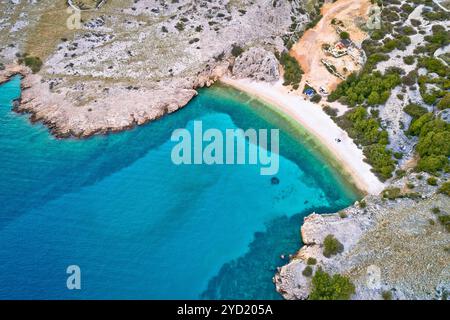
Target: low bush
[(432, 181), (292, 70), (34, 63), (391, 193), (386, 295)]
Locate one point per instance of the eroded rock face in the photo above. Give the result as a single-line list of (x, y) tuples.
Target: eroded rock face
[(389, 245), (119, 70), (258, 64)]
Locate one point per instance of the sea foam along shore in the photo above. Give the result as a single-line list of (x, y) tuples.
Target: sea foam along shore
[(319, 124)]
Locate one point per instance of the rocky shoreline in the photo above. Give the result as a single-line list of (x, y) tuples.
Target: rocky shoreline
[(119, 71)]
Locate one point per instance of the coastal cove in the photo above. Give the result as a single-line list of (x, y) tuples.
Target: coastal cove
[(139, 226)]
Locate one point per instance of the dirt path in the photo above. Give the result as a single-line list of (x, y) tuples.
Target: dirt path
[(308, 51)]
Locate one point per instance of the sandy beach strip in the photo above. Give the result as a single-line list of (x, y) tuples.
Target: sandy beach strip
[(311, 117)]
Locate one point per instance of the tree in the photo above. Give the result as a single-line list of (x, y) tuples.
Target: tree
[(344, 35), (326, 287), (331, 246)]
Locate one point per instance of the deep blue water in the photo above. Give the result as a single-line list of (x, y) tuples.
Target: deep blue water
[(141, 227)]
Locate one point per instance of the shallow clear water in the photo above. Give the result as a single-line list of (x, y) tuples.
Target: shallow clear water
[(139, 226)]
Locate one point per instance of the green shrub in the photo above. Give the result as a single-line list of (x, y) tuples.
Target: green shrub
[(409, 60), (357, 89), (332, 246), (327, 287), (344, 35), (444, 103), (415, 111), (308, 271), (363, 204), (433, 65), (445, 221), (413, 195), (387, 295), (436, 210), (316, 98), (236, 51), (311, 261), (433, 146), (398, 155), (367, 132), (292, 70), (180, 26), (391, 193), (34, 63), (332, 112), (400, 173)]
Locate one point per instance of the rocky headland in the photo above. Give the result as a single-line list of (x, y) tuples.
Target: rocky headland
[(121, 70)]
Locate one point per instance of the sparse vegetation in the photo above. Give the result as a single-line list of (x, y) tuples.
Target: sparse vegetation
[(392, 193), (432, 181)]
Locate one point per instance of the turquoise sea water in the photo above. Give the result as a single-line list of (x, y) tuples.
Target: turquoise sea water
[(140, 227)]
